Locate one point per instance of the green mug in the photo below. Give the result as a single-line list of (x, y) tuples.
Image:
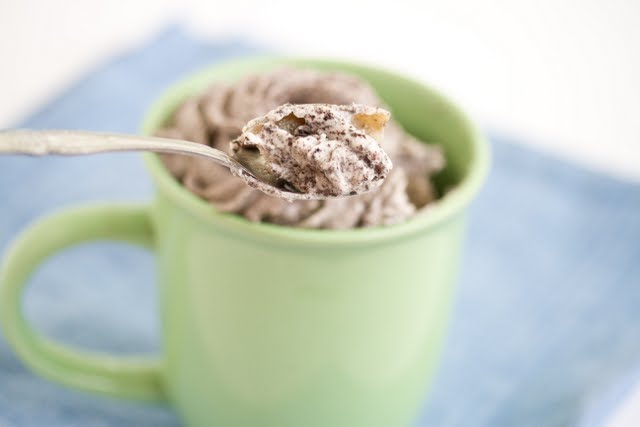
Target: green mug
[(265, 325)]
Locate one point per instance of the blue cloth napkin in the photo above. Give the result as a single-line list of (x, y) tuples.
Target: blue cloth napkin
[(547, 313)]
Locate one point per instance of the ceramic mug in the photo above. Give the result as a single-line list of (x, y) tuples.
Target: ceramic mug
[(265, 325)]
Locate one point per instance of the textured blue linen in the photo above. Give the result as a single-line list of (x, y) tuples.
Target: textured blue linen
[(547, 312)]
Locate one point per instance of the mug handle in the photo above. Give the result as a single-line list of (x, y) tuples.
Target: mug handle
[(128, 377)]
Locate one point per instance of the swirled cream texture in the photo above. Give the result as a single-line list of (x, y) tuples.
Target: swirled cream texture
[(319, 149), (217, 116)]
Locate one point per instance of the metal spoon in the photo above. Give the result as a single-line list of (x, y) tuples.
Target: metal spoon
[(73, 143)]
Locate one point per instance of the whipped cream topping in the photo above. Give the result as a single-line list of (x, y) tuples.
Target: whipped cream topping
[(217, 115), (320, 149)]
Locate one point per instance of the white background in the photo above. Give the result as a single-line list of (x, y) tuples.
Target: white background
[(562, 75)]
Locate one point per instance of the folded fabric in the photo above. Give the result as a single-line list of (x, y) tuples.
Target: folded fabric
[(546, 313)]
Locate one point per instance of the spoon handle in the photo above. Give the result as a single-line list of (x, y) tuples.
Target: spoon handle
[(73, 143)]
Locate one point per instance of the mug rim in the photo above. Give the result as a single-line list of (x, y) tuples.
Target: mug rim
[(429, 218)]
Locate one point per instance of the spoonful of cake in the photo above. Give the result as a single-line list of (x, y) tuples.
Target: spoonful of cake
[(295, 152)]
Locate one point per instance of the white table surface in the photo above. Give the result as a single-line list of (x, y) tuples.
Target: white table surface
[(561, 75)]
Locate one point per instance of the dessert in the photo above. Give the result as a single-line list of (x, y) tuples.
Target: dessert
[(322, 149), (217, 116)]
